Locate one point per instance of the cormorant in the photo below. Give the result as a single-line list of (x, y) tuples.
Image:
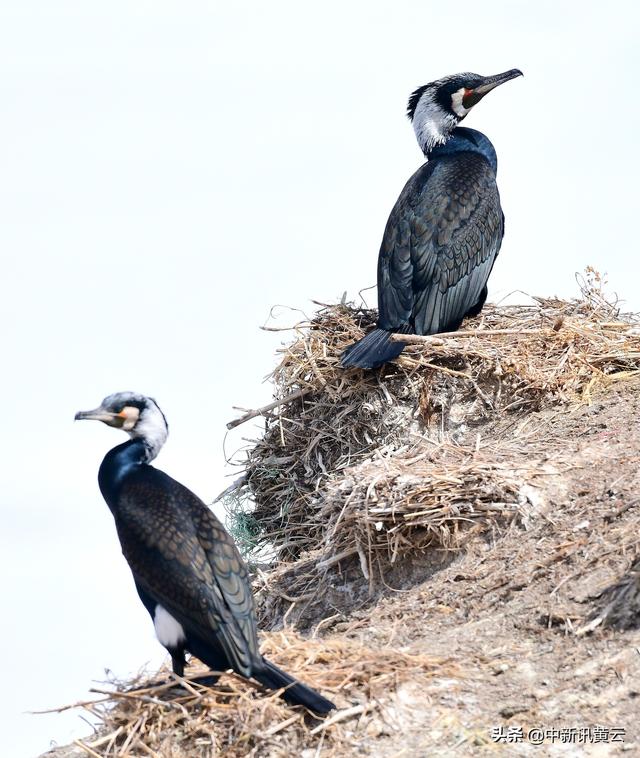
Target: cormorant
[(445, 230), (187, 569)]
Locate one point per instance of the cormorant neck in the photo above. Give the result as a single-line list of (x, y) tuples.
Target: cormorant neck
[(432, 135), (432, 124), (152, 430), (118, 463), (464, 140)]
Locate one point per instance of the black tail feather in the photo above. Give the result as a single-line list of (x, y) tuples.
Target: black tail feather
[(295, 693), (372, 350)]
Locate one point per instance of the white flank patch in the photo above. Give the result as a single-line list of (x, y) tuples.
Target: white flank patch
[(456, 103), (168, 631)]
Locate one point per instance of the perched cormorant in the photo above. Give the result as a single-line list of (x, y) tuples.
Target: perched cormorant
[(445, 230), (187, 569)]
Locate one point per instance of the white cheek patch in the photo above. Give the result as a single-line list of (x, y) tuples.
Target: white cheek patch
[(131, 416), (168, 631), (456, 103)]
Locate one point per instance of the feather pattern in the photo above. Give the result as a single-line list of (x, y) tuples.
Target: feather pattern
[(441, 240), (182, 556)]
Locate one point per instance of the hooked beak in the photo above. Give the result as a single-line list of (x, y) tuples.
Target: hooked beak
[(100, 414), (491, 82)]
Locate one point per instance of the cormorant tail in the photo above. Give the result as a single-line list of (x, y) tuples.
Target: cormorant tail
[(295, 693), (372, 350)]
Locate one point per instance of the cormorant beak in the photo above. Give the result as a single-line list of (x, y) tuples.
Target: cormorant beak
[(100, 414), (473, 96)]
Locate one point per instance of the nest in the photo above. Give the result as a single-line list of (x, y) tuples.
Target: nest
[(369, 466), (356, 473), (169, 716)]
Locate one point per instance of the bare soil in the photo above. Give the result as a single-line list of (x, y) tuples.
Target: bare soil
[(511, 608), (532, 623)]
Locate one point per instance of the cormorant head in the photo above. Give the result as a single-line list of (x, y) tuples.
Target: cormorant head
[(435, 109), (135, 414)]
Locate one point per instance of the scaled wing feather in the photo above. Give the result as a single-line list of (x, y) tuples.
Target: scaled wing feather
[(440, 244), (187, 562)]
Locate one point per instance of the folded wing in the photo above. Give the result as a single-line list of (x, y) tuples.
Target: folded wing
[(439, 246)]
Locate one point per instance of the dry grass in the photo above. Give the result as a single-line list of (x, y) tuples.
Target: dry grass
[(371, 465), (359, 471), (176, 718)]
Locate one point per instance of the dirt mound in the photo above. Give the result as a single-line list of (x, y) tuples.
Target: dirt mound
[(172, 716), (359, 472), (456, 535)]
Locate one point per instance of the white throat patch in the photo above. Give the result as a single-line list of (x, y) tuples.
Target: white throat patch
[(168, 631), (432, 125), (152, 428)]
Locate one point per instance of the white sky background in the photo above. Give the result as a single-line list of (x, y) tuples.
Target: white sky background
[(169, 171)]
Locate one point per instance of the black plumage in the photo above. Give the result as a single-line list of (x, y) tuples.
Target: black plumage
[(441, 240), (445, 230), (187, 569)]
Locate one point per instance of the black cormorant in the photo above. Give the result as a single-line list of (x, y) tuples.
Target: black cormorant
[(186, 568), (445, 230)]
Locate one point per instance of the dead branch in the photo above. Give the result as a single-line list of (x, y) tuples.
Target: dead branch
[(269, 407)]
